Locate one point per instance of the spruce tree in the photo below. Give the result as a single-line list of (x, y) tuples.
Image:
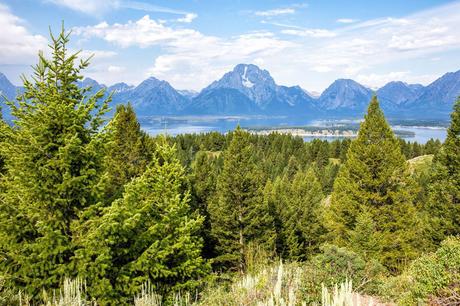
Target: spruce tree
[(275, 199), (364, 238), (128, 154), (301, 213), (53, 162), (239, 215), (444, 197), (375, 178), (205, 170), (292, 167), (150, 234), (3, 131), (322, 157)]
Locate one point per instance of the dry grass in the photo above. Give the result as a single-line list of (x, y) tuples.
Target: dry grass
[(274, 285), (420, 163)]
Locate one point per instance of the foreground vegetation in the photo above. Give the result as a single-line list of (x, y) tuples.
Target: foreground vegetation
[(114, 216)]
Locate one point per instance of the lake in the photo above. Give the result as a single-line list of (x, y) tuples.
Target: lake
[(202, 124)]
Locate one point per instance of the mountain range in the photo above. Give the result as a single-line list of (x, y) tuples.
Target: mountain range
[(249, 90)]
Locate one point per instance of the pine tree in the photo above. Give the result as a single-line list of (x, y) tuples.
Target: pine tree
[(53, 159), (292, 168), (239, 215), (444, 197), (344, 149), (322, 157), (364, 238), (3, 131), (375, 178), (128, 154), (301, 214), (275, 193), (150, 234), (416, 150), (205, 170)]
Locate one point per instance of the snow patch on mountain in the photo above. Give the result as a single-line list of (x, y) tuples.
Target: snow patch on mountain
[(245, 80)]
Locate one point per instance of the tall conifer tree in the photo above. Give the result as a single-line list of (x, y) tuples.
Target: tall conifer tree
[(205, 170), (375, 179), (240, 216), (301, 212), (128, 154), (3, 130), (444, 198), (53, 158)]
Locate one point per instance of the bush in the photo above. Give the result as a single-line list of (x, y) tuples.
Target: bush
[(336, 265), (431, 278)]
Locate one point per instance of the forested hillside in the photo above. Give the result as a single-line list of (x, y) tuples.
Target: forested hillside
[(115, 216)]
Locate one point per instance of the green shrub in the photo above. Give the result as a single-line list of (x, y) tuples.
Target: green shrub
[(336, 265), (429, 278)]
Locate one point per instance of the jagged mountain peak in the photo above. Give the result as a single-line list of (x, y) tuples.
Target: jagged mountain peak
[(152, 82), (256, 86), (401, 85), (347, 82), (251, 75), (440, 95), (246, 77), (90, 82), (251, 81), (120, 87), (397, 93), (345, 94), (154, 96)]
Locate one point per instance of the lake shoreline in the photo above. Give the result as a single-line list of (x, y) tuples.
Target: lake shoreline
[(319, 132)]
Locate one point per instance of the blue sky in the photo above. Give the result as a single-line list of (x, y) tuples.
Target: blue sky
[(190, 43)]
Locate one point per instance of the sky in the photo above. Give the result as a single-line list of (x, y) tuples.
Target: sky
[(191, 43)]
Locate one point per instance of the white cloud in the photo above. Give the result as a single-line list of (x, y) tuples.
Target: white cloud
[(360, 50), (310, 33), (187, 18), (17, 44), (275, 12), (322, 69), (143, 33), (346, 20), (113, 68)]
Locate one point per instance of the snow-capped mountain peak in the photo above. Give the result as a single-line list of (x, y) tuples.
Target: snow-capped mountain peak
[(245, 80)]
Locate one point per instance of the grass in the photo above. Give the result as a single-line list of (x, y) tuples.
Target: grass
[(276, 285), (420, 164)]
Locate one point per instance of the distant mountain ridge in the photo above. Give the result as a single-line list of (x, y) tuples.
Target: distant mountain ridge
[(249, 90), (438, 96)]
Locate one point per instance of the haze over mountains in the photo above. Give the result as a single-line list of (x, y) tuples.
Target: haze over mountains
[(249, 90)]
